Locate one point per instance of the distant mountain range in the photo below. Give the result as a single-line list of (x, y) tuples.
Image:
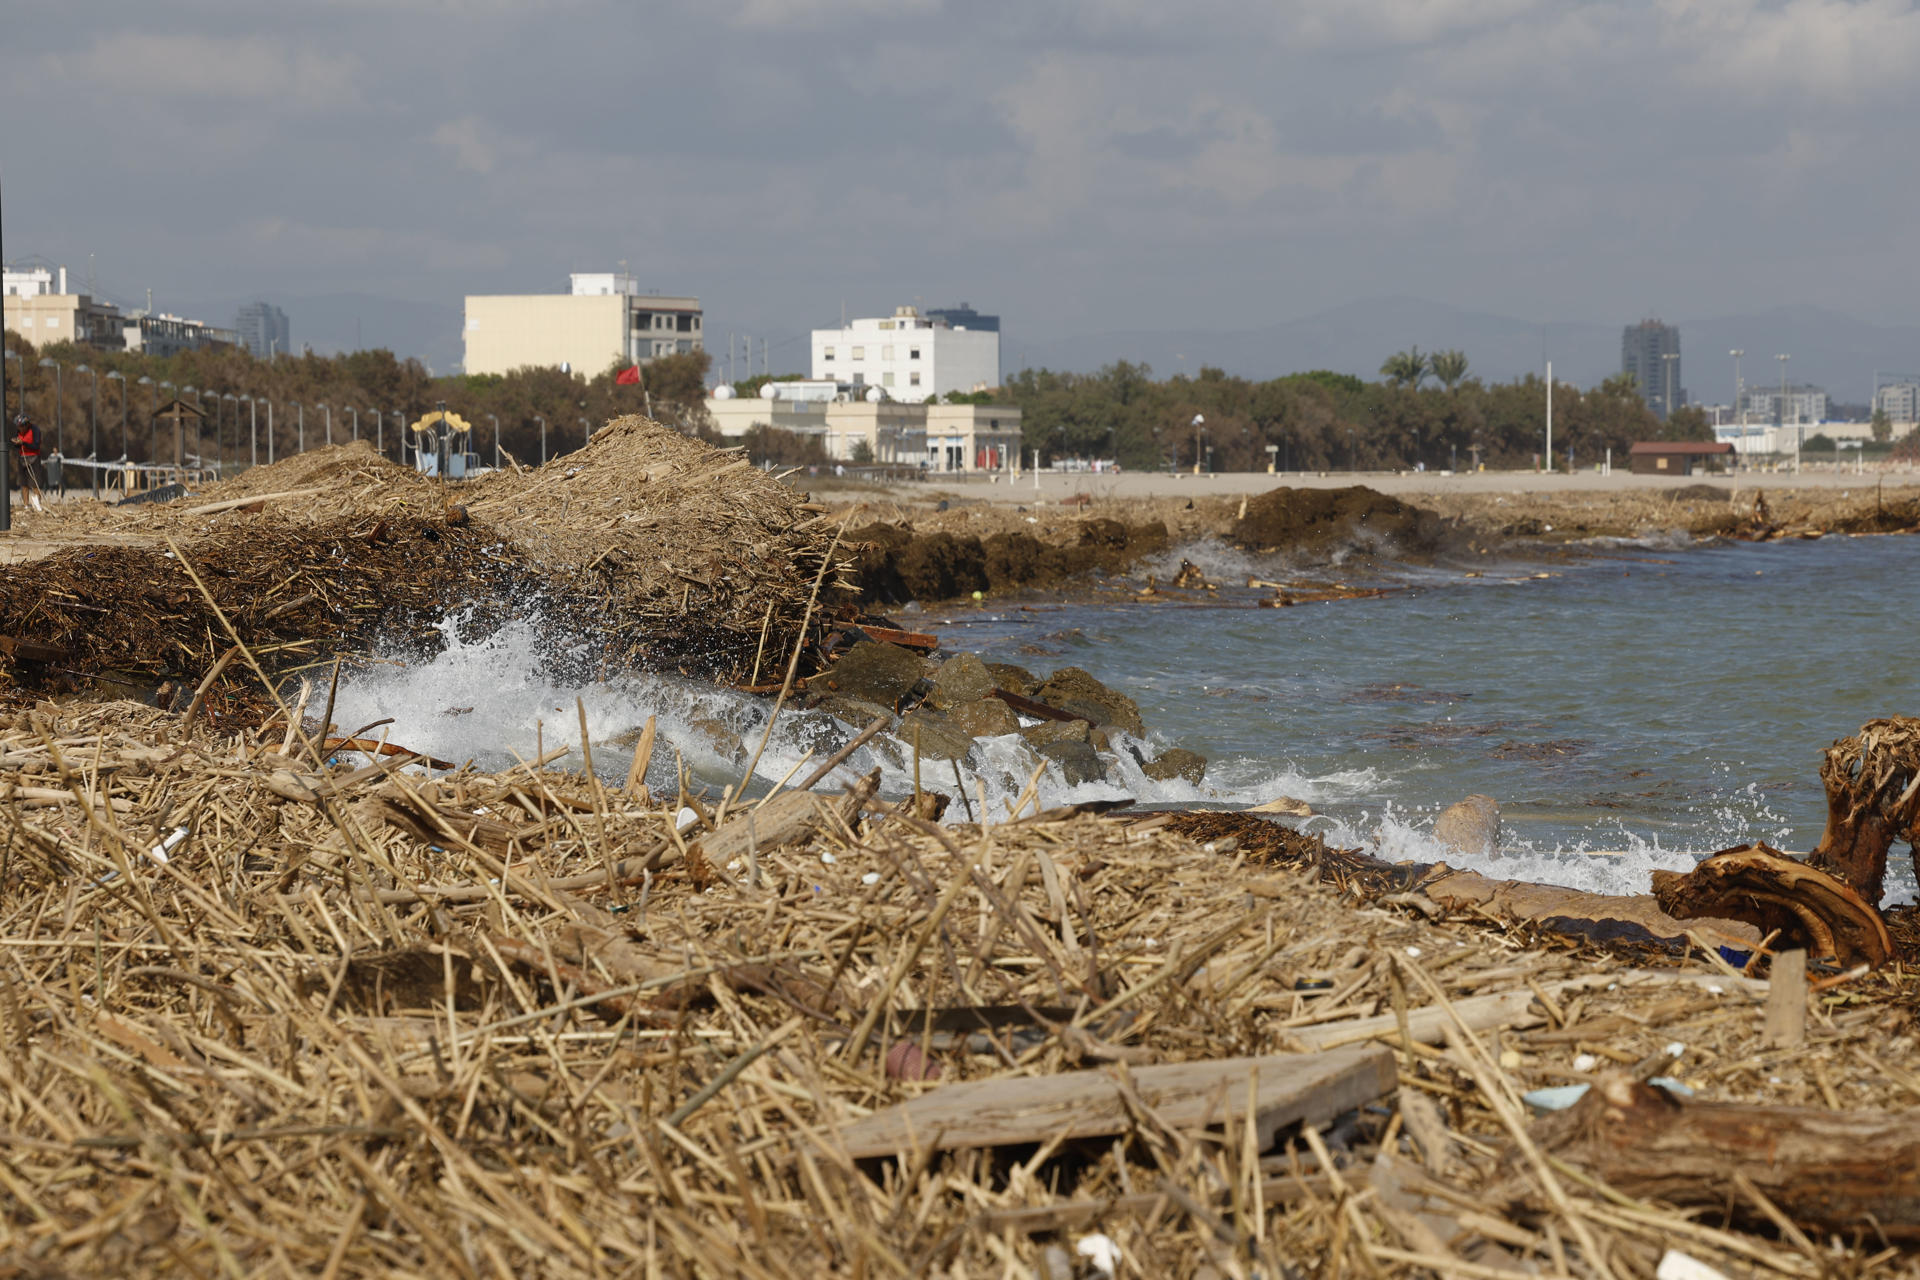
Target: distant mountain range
[(1828, 348)]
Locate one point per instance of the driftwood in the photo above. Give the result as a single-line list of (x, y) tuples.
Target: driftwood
[(1771, 891), (1560, 908), (1311, 1088), (1846, 1172), (1873, 799)]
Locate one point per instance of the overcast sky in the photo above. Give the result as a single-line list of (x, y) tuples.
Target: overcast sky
[(1076, 165)]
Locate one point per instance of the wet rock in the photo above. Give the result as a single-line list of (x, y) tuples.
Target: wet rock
[(1472, 826), (939, 737), (857, 712), (1176, 762), (1102, 532), (1014, 679), (987, 718), (1078, 762), (1051, 731), (1075, 691), (873, 672), (960, 680)]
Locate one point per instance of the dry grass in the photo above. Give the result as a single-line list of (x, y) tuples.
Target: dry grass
[(512, 1024)]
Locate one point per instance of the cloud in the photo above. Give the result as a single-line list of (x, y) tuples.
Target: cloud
[(792, 13), (252, 68), (366, 248), (462, 137), (1836, 50)]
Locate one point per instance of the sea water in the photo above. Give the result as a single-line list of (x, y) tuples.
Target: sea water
[(1630, 708)]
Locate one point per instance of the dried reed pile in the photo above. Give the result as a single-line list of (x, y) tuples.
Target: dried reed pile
[(363, 1023), (646, 550), (691, 553)]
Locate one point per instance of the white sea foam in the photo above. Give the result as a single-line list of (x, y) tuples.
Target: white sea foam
[(495, 700)]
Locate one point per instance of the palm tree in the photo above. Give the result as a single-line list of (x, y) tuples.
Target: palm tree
[(1405, 368), (1449, 366)]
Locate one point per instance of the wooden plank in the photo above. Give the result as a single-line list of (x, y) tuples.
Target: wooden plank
[(213, 507), (21, 649), (1289, 1088), (1787, 999)]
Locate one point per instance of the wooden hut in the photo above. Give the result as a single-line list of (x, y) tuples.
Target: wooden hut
[(1677, 457)]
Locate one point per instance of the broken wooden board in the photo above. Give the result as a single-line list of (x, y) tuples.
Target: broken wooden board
[(1773, 892), (1288, 1088)]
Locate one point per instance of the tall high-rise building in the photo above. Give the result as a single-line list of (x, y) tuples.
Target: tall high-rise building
[(1650, 353), (263, 329)]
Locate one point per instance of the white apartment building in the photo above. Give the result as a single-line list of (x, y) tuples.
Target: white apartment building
[(908, 356), (951, 438), (602, 320), (35, 304), (1801, 404), (1900, 401)]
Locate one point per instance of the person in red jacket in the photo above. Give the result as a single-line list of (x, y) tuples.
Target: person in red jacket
[(26, 452)]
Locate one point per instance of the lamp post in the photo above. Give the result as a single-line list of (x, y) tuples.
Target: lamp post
[(328, 410), (195, 393), (93, 424), (1199, 420), (114, 375), (1780, 410), (153, 426), (300, 426), (400, 430), (379, 432), (543, 438), (233, 400), (147, 382), (496, 439), (1739, 396), (355, 411), (269, 400), (59, 396)]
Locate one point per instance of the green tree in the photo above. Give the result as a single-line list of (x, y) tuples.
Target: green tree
[(1687, 423), (1882, 426), (1406, 368), (1450, 367), (861, 454)]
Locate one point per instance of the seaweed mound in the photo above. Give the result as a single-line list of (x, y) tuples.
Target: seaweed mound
[(893, 564), (1322, 523)]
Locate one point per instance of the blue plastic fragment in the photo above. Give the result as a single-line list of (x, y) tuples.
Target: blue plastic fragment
[(1735, 956)]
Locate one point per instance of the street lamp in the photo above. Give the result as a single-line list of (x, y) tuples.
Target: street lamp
[(93, 425), (59, 435), (355, 411), (1199, 420), (234, 400), (1739, 395), (253, 430), (1780, 412), (543, 438), (300, 426), (328, 410), (114, 375), (379, 432), (147, 382)]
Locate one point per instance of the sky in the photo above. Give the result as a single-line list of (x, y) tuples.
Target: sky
[(1077, 166)]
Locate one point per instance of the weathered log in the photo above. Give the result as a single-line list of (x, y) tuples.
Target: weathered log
[(1834, 1171), (1771, 891)]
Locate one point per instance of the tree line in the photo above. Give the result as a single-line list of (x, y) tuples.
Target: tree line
[(1322, 421), (370, 393)]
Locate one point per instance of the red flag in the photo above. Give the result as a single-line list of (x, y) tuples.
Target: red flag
[(627, 377)]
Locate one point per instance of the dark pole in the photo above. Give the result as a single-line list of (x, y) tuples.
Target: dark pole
[(6, 451)]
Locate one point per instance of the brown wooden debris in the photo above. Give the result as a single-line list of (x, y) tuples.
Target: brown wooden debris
[(1873, 799), (1771, 891), (1843, 1172)]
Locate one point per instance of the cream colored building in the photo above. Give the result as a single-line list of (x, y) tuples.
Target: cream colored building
[(602, 322), (37, 306)]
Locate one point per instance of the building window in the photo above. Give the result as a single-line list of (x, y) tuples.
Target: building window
[(859, 353), (826, 353), (913, 379), (886, 324), (913, 353), (886, 353), (886, 379), (859, 379)]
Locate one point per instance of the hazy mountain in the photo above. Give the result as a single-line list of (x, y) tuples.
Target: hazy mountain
[(1833, 350)]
